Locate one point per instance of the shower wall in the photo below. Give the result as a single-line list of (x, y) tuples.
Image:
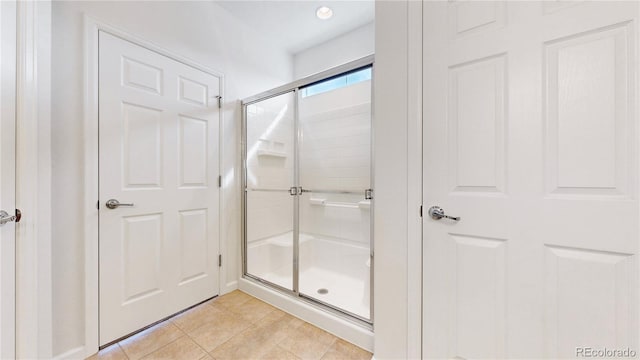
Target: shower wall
[(335, 154), (270, 165)]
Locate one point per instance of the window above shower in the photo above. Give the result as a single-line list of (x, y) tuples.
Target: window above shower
[(337, 82)]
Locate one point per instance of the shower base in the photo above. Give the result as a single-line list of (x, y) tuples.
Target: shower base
[(336, 265)]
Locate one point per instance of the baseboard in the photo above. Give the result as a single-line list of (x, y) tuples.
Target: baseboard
[(341, 328), (73, 354), (229, 287)]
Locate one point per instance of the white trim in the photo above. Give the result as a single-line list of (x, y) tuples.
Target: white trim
[(8, 168), (91, 28), (33, 181), (414, 180), (228, 287), (75, 353), (342, 328)]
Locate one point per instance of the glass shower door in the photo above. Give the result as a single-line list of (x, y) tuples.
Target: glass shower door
[(269, 178), (335, 205)]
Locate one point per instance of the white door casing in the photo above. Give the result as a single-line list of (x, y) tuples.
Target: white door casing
[(159, 149), (7, 176), (531, 137)]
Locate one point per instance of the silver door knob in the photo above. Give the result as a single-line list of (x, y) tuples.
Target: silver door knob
[(437, 213), (6, 218), (114, 204)]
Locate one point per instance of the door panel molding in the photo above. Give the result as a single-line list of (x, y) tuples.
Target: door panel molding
[(562, 240), (92, 27)]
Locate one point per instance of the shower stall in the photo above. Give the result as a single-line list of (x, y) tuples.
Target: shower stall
[(308, 197)]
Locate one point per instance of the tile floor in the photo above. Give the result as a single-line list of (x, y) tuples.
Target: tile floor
[(233, 326)]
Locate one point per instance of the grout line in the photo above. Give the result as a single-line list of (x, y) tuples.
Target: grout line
[(200, 346), (231, 338), (166, 322), (121, 349), (162, 347), (287, 351), (328, 347)]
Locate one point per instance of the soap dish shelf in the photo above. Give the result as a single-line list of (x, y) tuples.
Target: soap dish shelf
[(271, 153)]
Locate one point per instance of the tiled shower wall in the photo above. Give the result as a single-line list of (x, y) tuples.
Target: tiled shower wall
[(335, 154), (270, 165)]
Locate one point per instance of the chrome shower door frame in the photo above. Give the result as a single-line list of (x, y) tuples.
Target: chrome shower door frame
[(295, 87)]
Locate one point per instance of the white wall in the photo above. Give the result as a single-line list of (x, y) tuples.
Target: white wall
[(351, 46), (201, 31), (398, 179)]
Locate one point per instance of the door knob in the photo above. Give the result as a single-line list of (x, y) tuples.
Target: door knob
[(6, 218), (437, 213), (114, 204)]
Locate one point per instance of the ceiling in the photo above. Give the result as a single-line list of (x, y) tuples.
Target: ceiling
[(293, 25)]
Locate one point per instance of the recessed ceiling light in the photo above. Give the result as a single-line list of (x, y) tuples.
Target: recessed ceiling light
[(324, 13)]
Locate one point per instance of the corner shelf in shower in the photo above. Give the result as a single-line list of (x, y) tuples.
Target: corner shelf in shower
[(272, 153)]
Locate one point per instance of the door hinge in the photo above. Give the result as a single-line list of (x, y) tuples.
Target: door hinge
[(98, 204), (219, 181), (420, 210), (220, 260), (219, 101)]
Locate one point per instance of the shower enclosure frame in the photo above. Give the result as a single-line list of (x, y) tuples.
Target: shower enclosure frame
[(294, 87)]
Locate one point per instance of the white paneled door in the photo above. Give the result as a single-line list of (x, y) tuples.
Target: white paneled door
[(531, 138), (7, 177), (159, 154)]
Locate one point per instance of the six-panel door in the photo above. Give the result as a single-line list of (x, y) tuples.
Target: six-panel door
[(530, 136), (159, 124)]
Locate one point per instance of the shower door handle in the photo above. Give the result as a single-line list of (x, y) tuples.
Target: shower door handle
[(293, 191)]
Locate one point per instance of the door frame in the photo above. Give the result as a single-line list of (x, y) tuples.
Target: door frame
[(34, 309), (92, 27)]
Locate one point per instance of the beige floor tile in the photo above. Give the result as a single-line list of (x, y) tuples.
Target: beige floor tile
[(214, 333), (280, 324), (342, 350), (252, 343), (231, 299), (196, 317), (113, 352), (278, 353), (252, 310), (182, 349), (234, 326), (150, 340), (308, 342)]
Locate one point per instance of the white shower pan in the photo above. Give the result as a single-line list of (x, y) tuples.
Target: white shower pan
[(332, 270)]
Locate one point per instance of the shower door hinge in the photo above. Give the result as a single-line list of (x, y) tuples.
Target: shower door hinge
[(219, 260), (368, 194), (219, 101), (219, 181)]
